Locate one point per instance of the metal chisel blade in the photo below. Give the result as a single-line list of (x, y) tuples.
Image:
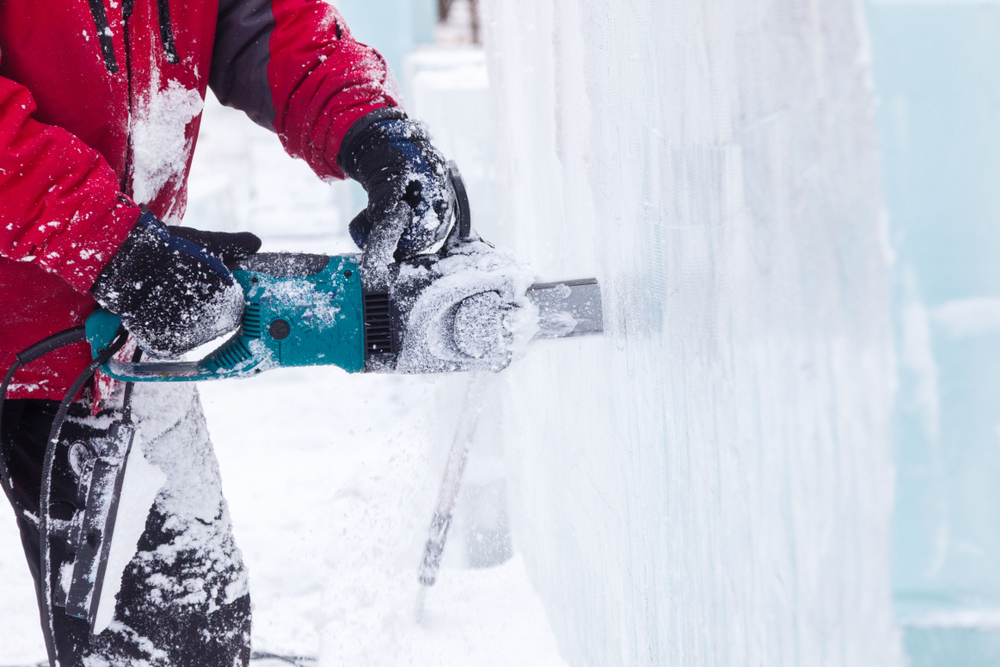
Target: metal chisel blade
[(568, 308)]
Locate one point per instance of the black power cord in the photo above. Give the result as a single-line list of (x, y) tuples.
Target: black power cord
[(46, 490), (26, 356)]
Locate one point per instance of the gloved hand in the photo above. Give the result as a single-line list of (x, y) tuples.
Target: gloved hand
[(171, 287), (410, 198)]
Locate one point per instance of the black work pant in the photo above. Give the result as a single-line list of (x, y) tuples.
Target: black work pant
[(183, 600)]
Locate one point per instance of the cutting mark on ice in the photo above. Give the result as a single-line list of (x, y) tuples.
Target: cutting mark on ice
[(472, 406)]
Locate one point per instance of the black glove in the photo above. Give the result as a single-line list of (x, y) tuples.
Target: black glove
[(171, 287), (410, 199)]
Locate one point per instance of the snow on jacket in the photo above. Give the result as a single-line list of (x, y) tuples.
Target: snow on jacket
[(100, 105)]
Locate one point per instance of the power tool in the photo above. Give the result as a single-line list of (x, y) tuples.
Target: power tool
[(467, 306)]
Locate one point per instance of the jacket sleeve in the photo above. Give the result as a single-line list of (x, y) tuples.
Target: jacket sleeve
[(60, 203), (293, 67)]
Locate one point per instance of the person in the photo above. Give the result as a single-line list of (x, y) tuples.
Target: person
[(100, 105)]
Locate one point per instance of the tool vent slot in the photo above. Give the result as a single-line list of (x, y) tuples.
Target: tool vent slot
[(229, 355), (251, 321), (378, 324)]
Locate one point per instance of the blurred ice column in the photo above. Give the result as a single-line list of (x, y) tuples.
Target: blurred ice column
[(448, 89), (937, 74), (241, 178), (394, 27)]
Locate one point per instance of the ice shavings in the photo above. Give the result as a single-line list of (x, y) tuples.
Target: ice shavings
[(320, 307), (202, 321), (333, 545), (159, 137), (29, 387), (559, 323), (438, 312), (151, 657)]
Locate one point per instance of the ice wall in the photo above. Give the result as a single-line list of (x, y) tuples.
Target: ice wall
[(711, 482)]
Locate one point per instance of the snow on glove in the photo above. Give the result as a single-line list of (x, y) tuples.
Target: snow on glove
[(410, 198), (171, 286)]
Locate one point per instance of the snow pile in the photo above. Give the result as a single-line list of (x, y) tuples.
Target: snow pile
[(709, 483)]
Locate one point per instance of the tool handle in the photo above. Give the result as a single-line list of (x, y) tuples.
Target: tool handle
[(462, 199)]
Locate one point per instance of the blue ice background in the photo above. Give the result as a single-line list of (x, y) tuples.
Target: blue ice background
[(394, 27), (937, 76)]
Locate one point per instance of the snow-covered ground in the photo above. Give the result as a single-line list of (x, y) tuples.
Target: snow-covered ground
[(331, 481)]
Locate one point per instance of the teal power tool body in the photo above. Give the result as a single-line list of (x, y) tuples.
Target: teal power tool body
[(301, 310), (311, 310), (462, 308)]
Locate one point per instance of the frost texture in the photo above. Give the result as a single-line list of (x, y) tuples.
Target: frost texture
[(175, 438), (318, 306), (141, 486), (204, 321)]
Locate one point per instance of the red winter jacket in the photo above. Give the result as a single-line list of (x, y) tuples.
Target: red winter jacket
[(99, 111)]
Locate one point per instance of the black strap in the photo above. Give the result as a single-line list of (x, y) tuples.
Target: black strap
[(24, 357)]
